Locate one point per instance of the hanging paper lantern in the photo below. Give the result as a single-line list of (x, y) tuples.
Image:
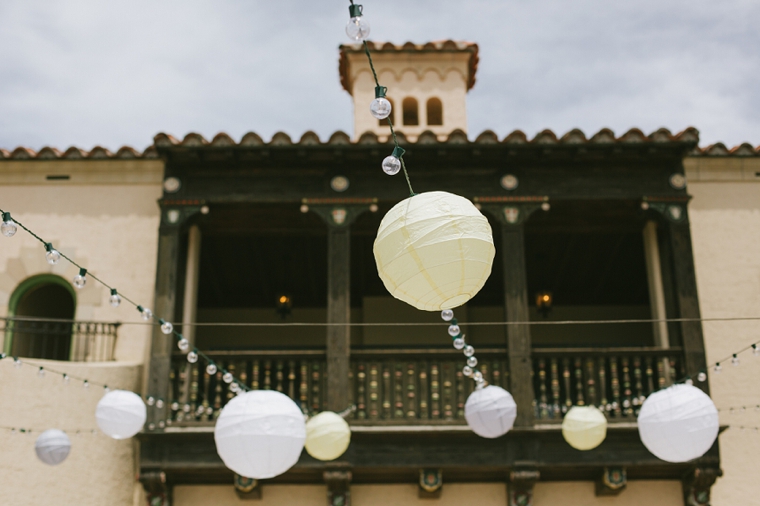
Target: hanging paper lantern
[(490, 412), (120, 414), (434, 251), (260, 434), (52, 447), (679, 423), (584, 427), (327, 436)]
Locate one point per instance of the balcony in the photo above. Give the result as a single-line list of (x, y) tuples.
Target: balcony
[(76, 341)]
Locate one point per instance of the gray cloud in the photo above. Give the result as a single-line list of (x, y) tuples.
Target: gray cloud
[(87, 72)]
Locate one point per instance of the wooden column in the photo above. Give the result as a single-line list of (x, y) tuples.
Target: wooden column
[(190, 299), (656, 290), (338, 214), (512, 218), (164, 306)]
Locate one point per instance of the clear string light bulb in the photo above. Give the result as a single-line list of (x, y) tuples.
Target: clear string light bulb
[(227, 377), (381, 106), (458, 343), (192, 357), (166, 327), (115, 298), (357, 28), (183, 344), (702, 376), (80, 279), (146, 313), (469, 351), (472, 361), (454, 329), (9, 227), (392, 163), (447, 315), (51, 254), (211, 369)]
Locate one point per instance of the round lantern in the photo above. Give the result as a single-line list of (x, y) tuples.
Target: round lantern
[(260, 434), (679, 423), (327, 436), (120, 414), (584, 427), (490, 412), (434, 251), (52, 447)]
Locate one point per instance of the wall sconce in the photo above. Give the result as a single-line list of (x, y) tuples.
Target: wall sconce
[(544, 303), (284, 305)]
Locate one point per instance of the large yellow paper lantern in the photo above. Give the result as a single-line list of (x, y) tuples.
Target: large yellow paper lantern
[(327, 436), (434, 251), (584, 427)]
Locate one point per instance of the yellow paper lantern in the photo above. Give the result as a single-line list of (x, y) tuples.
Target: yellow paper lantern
[(434, 251), (327, 436), (584, 427)]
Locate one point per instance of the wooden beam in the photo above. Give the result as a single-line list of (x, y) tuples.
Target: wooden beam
[(338, 311)]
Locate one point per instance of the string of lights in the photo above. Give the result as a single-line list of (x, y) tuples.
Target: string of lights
[(28, 431), (9, 227)]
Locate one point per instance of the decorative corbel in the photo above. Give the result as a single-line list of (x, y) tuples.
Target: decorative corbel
[(512, 211), (247, 488), (431, 483), (520, 486), (672, 208), (339, 212), (157, 492), (175, 212), (612, 482), (338, 487), (697, 484)]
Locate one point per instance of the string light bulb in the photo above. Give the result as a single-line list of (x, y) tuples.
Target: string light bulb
[(183, 344), (41, 372), (146, 313), (734, 360), (9, 227), (469, 351), (115, 298), (392, 163), (357, 28), (166, 327), (702, 376), (447, 315), (717, 368), (755, 350), (227, 377), (454, 329), (51, 254), (472, 361), (192, 357), (211, 369), (458, 343), (381, 106), (80, 279), (467, 371)]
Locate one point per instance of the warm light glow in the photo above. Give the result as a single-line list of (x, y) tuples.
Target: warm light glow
[(283, 299)]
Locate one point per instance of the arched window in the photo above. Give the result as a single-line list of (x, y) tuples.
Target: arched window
[(411, 112), (384, 122), (434, 112), (44, 296)]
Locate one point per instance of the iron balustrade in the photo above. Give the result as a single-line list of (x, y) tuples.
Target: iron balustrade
[(616, 380), (77, 341)]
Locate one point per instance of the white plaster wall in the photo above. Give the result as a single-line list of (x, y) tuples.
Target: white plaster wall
[(725, 227)]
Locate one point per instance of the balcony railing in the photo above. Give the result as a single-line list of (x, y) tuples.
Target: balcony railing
[(62, 340), (426, 386), (616, 380)]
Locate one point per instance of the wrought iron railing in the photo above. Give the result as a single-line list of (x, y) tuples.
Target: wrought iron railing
[(616, 380), (60, 340)]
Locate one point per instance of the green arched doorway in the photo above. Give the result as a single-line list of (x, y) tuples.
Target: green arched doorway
[(46, 297)]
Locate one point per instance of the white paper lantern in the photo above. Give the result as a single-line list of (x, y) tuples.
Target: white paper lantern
[(490, 412), (120, 414), (434, 251), (327, 436), (52, 447), (679, 423), (584, 427), (260, 434)]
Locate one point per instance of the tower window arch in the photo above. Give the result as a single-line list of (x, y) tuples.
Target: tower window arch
[(411, 111), (434, 112), (45, 296)]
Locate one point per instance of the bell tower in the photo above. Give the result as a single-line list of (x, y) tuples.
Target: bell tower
[(427, 86)]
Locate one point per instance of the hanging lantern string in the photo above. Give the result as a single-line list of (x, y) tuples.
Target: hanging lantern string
[(738, 410), (27, 430), (701, 376), (43, 370), (145, 312)]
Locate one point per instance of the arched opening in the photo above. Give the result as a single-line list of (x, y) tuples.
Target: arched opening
[(411, 112), (43, 296), (384, 122), (434, 112)]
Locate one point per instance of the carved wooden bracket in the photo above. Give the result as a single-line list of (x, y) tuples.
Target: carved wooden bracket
[(247, 488), (157, 492), (339, 212), (672, 208), (338, 487), (697, 485), (612, 482), (512, 211), (431, 483), (175, 212), (520, 487)]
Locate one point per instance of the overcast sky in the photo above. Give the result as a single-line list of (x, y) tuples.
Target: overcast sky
[(115, 72)]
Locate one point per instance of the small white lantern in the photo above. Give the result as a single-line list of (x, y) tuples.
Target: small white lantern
[(52, 447), (434, 251), (490, 412), (584, 427), (120, 414), (679, 423), (260, 434), (327, 436)]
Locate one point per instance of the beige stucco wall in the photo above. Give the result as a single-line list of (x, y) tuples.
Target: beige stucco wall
[(725, 225), (652, 493), (105, 217)]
